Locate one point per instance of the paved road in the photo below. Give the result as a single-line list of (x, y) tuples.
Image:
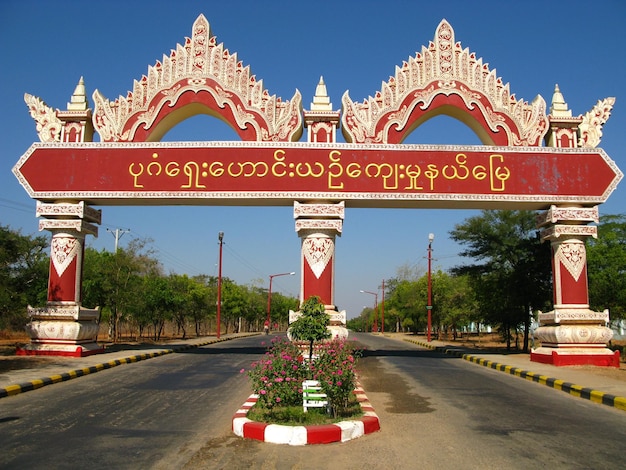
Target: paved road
[(436, 411), (152, 414)]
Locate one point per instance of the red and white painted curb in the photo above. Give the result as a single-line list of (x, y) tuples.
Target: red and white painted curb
[(302, 435)]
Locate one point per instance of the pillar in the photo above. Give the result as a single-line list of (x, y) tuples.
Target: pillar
[(571, 334), (318, 224), (63, 327)]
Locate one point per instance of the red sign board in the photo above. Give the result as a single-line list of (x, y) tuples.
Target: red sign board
[(244, 173)]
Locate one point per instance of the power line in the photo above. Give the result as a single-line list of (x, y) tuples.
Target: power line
[(16, 206)]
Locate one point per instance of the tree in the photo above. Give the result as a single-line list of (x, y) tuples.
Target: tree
[(181, 287), (312, 325), (113, 281), (512, 271), (454, 302), (159, 302), (202, 300), (405, 299), (606, 265), (23, 276)]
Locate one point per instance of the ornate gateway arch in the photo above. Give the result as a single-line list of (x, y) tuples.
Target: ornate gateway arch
[(320, 177)]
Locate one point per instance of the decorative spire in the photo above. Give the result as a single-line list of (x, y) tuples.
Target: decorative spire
[(79, 98), (559, 106), (321, 100)]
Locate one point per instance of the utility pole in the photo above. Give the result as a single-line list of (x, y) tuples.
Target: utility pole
[(220, 237), (382, 309), (429, 306), (117, 234)]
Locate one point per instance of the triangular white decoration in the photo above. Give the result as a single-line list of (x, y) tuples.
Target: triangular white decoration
[(317, 252), (64, 250), (573, 256)]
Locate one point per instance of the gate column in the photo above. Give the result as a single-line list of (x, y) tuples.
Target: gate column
[(318, 224), (571, 334), (63, 327)]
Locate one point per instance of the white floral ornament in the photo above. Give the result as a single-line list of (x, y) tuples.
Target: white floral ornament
[(573, 257), (64, 250), (318, 252)]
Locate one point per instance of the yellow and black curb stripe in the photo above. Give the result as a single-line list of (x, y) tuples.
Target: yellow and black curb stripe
[(557, 384), (15, 389)]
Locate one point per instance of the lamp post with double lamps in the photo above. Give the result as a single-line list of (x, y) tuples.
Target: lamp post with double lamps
[(269, 295), (375, 294), (429, 306)]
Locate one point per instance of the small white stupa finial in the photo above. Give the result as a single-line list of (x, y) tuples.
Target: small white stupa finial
[(321, 100), (559, 106), (79, 98)]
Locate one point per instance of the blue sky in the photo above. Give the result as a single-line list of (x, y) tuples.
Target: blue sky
[(48, 45)]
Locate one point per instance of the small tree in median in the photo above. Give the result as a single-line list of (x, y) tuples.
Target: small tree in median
[(312, 324)]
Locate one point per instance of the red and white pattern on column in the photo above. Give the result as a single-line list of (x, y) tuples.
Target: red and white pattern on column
[(65, 261), (570, 273), (318, 253)]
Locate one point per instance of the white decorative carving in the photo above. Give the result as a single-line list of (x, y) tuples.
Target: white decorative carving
[(67, 224), (48, 124), (568, 214), (557, 231), (573, 315), (573, 335), (200, 65), (444, 68), (63, 331), (63, 252), (573, 257), (63, 312), (318, 252), (591, 127), (318, 210), (319, 224), (67, 209)]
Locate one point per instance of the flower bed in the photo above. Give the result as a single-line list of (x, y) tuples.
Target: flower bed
[(277, 383), (301, 435)]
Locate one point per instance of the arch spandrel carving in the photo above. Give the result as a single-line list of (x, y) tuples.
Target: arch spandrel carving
[(199, 76), (446, 79)]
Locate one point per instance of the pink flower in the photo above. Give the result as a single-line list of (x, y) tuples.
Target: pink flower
[(242, 371)]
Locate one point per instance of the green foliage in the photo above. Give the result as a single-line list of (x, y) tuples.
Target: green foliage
[(453, 301), (606, 258), (23, 276), (312, 325), (511, 274), (129, 286)]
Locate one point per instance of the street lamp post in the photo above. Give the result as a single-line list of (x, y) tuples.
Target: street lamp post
[(269, 295), (220, 237), (429, 306), (382, 310), (375, 294)]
